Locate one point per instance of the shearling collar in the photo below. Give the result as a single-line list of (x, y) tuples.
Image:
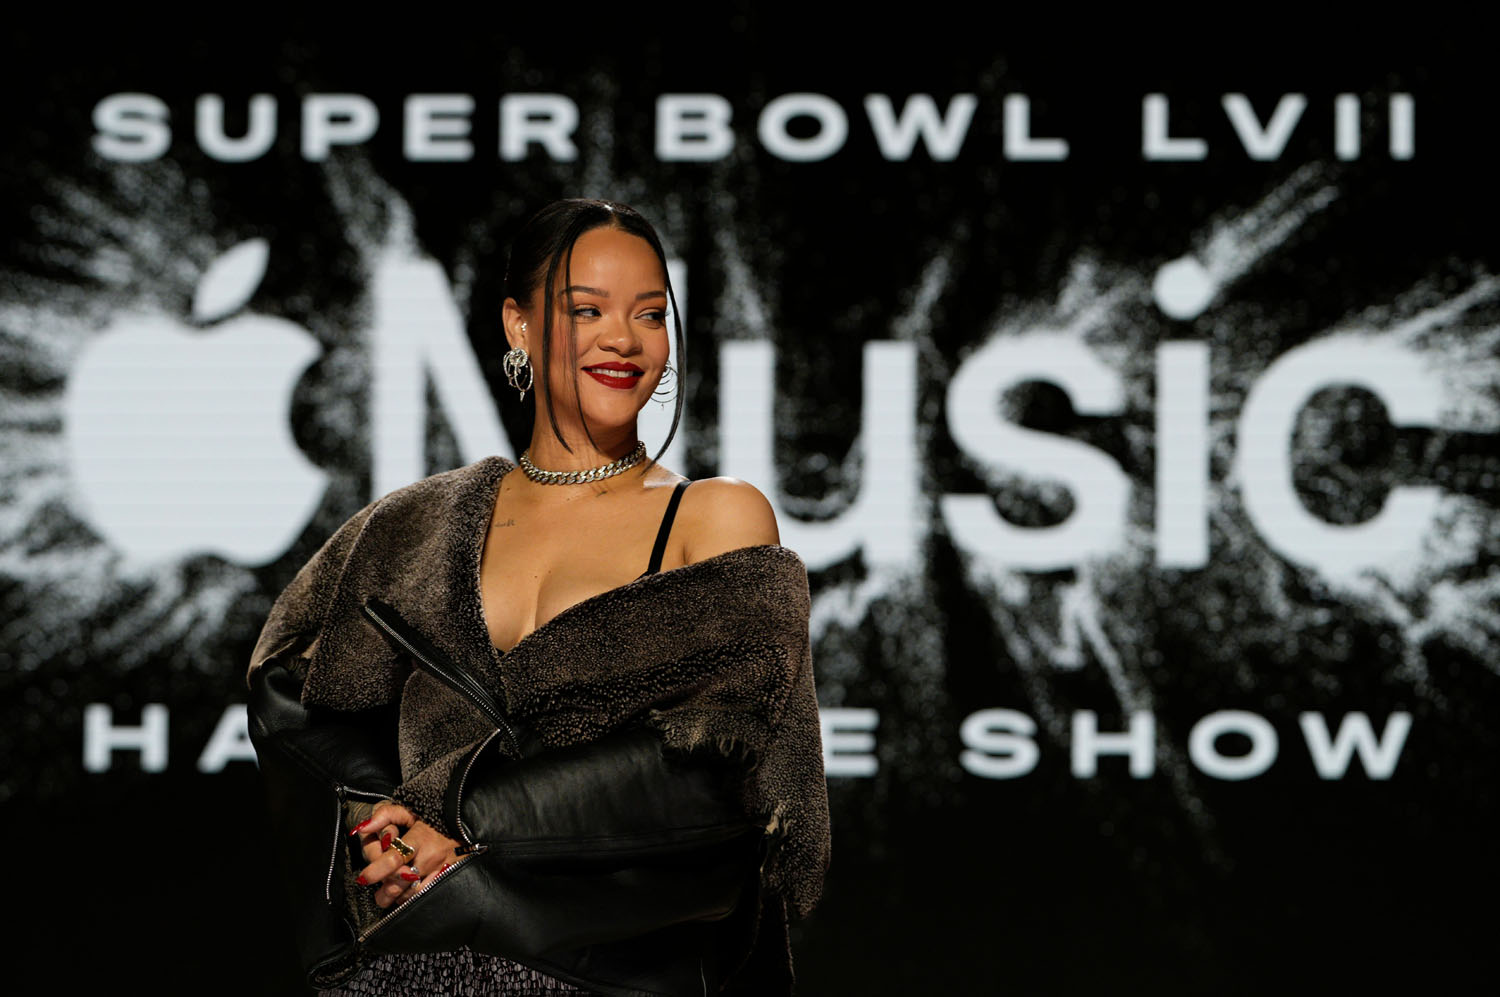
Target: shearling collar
[(419, 551)]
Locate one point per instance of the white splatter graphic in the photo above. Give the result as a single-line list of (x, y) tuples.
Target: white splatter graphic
[(1096, 616), (141, 244)]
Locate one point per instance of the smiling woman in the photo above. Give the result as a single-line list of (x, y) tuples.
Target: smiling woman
[(588, 280), (558, 770)]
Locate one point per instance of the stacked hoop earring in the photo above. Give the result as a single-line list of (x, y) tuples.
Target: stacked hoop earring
[(517, 366), (663, 394)]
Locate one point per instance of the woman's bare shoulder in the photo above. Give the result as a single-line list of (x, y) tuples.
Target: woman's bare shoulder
[(723, 514)]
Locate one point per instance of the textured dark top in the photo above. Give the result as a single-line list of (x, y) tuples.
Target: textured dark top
[(462, 973)]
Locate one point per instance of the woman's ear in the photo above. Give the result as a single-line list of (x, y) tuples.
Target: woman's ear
[(515, 322)]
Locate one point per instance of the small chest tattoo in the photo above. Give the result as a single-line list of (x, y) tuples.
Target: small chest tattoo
[(508, 522)]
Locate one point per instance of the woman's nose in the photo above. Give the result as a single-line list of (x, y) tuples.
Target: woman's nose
[(620, 336)]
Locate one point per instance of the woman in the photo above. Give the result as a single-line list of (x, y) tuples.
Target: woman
[(584, 773)]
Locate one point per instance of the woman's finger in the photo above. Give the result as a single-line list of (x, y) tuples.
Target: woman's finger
[(430, 860), (421, 846), (420, 884), (375, 834), (372, 850), (393, 888), (391, 892), (384, 867), (429, 876), (386, 815), (391, 872)]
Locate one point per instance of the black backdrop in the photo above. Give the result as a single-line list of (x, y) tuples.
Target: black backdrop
[(1069, 294)]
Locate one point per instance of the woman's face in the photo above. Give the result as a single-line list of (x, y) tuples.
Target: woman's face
[(616, 298)]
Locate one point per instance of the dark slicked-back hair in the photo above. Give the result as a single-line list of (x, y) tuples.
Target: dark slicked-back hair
[(544, 247)]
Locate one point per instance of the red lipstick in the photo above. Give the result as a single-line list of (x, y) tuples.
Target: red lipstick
[(626, 379)]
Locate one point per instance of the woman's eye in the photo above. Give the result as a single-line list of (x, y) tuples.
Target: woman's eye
[(654, 316), (586, 311)]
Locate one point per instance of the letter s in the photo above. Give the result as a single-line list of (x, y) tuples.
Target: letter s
[(131, 127)]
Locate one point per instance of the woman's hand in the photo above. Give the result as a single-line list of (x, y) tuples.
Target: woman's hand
[(393, 876)]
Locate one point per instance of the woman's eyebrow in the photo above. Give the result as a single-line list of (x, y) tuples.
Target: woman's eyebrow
[(581, 289)]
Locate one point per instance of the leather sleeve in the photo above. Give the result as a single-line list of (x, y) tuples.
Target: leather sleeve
[(341, 751), (311, 762), (617, 864), (622, 790)]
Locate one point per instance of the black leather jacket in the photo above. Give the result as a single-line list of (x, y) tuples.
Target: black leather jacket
[(614, 865)]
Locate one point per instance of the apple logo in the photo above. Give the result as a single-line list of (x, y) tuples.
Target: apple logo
[(178, 436)]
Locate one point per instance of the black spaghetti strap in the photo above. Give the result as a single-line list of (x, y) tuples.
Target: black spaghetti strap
[(666, 528)]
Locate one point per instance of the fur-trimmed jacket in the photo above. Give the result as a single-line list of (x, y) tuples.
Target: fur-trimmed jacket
[(719, 662)]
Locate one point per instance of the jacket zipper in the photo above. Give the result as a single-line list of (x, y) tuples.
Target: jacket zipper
[(364, 936), (469, 843), (333, 855), (454, 679)]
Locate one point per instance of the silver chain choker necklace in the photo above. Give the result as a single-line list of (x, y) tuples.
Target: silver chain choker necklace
[(614, 467)]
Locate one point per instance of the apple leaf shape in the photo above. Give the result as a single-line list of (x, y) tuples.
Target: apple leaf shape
[(230, 280)]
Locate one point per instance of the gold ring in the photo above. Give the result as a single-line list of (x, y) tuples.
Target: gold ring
[(407, 851)]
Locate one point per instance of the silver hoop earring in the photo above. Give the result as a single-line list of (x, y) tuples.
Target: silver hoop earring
[(517, 363), (662, 395)]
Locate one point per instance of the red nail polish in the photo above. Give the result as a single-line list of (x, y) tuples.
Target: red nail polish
[(445, 867), (360, 826), (360, 879), (409, 877)]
